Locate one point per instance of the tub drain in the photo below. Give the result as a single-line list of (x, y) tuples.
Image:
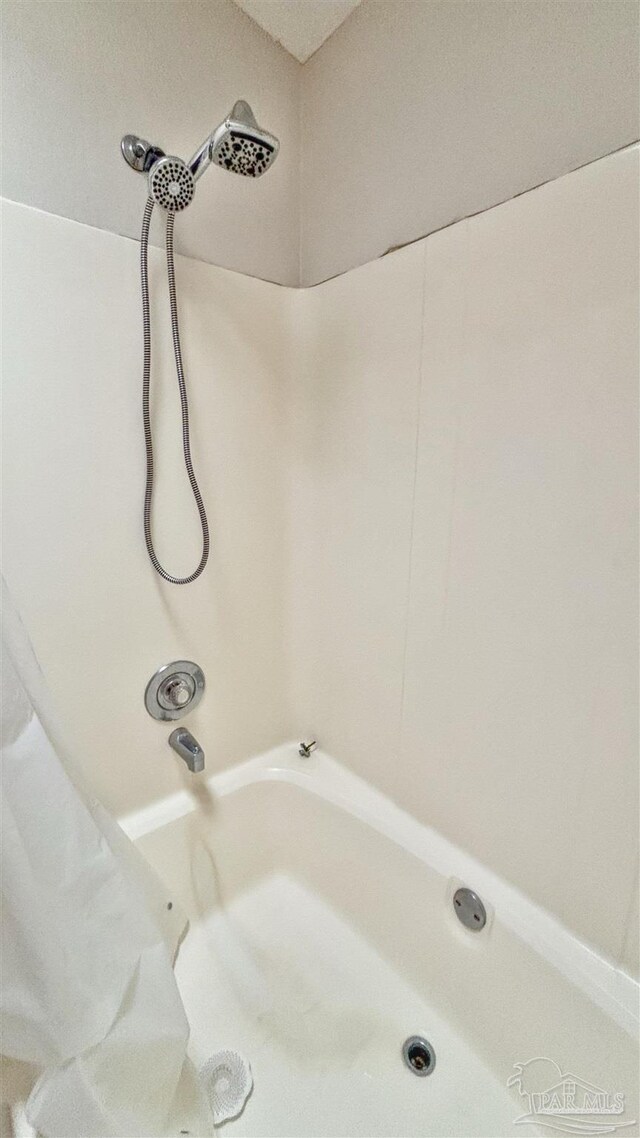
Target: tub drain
[(419, 1055), (227, 1081)]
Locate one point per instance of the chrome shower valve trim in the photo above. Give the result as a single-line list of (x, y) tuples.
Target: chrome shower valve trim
[(174, 690)]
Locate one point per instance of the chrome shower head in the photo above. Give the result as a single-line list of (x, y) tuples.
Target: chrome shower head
[(171, 183), (238, 145)]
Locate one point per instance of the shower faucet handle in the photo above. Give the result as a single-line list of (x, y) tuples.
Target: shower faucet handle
[(177, 691)]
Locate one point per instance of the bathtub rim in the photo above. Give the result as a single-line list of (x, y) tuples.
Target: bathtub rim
[(597, 976)]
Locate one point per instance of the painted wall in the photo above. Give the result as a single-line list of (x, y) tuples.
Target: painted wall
[(100, 619), (411, 116), (418, 114), (78, 75), (463, 570)]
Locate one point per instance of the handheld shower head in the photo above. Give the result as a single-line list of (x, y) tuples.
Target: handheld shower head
[(238, 145), (171, 183)]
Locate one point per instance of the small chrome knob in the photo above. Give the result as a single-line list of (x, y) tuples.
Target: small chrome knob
[(175, 692)]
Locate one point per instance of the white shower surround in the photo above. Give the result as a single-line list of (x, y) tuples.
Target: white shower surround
[(354, 449)]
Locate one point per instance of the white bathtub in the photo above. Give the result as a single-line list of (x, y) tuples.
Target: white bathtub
[(322, 934)]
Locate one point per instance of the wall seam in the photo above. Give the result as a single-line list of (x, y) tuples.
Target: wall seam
[(629, 930), (632, 145), (414, 488), (301, 119), (299, 287)]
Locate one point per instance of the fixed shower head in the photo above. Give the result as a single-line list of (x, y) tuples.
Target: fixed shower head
[(238, 145)]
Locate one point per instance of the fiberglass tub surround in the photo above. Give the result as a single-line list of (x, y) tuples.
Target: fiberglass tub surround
[(322, 934), (424, 541), (421, 558)]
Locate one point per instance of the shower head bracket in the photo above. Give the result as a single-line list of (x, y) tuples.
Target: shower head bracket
[(139, 154)]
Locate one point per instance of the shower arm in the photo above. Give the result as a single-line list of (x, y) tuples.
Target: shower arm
[(201, 159)]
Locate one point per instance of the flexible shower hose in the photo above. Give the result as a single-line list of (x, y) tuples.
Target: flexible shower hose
[(184, 403)]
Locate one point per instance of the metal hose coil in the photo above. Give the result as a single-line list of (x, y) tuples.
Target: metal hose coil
[(184, 403)]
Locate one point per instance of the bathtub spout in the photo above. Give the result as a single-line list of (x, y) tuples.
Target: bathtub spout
[(188, 748)]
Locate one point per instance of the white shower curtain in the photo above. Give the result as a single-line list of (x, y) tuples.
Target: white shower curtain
[(89, 1000)]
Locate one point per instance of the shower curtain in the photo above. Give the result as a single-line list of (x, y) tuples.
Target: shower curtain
[(90, 1010)]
